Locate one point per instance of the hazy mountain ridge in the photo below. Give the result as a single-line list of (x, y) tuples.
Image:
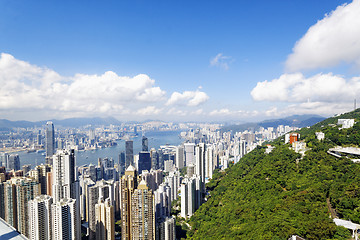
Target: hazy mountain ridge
[(293, 121)]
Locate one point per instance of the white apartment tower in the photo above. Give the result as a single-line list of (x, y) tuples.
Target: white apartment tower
[(189, 153), (66, 220), (40, 227), (180, 157), (65, 184)]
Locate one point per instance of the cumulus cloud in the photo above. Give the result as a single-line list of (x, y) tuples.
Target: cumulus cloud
[(225, 112), (221, 61), (221, 112), (149, 110), (176, 112), (323, 108), (332, 40), (297, 88), (26, 86), (189, 98)]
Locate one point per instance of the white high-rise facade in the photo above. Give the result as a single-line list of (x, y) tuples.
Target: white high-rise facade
[(65, 184), (209, 162), (190, 196), (189, 153), (66, 194), (66, 220), (174, 181), (180, 157), (40, 220), (200, 161)]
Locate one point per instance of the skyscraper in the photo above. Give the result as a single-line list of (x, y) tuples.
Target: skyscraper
[(105, 220), (13, 162), (144, 161), (142, 213), (100, 191), (66, 220), (145, 144), (17, 192), (129, 154), (65, 184), (42, 171), (122, 163), (49, 142), (189, 153), (40, 220), (179, 157), (128, 186)]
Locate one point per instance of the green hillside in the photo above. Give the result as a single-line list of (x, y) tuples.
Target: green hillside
[(276, 195)]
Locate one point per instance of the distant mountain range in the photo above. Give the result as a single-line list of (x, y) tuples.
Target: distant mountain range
[(69, 122), (293, 121)]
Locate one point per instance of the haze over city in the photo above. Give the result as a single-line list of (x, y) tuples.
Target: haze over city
[(183, 61)]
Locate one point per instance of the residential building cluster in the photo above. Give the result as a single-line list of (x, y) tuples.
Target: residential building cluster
[(60, 200)]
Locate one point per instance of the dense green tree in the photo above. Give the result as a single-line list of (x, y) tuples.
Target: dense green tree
[(276, 195)]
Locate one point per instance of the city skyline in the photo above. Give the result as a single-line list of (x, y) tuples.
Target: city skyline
[(178, 61)]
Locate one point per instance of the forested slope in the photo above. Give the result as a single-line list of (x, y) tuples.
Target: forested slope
[(276, 195)]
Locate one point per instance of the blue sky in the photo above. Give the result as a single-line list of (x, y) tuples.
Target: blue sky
[(198, 60)]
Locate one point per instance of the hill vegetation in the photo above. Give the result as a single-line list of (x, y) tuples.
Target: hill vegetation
[(276, 195)]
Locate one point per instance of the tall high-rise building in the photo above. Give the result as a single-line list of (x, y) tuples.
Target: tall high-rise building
[(40, 220), (142, 213), (13, 162), (101, 190), (42, 171), (17, 192), (66, 220), (190, 196), (145, 144), (2, 202), (128, 186), (209, 162), (129, 154), (162, 202), (122, 163), (105, 220), (174, 181), (4, 159), (166, 229), (144, 161), (200, 161), (65, 183), (179, 157), (49, 142), (189, 153), (154, 159), (85, 183)]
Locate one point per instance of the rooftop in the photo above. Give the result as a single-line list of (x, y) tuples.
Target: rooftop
[(8, 232)]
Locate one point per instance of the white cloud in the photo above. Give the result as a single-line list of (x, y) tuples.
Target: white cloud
[(26, 86), (189, 98), (318, 108), (332, 40), (221, 112), (225, 112), (149, 110), (221, 61), (176, 112), (297, 88)]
